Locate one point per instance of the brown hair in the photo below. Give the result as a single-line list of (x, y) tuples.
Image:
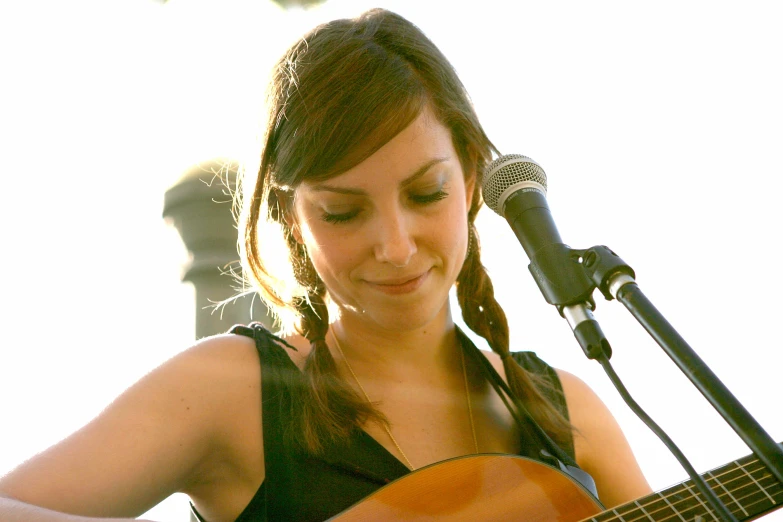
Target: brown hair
[(337, 96)]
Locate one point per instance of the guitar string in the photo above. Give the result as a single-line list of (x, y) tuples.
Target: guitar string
[(678, 490), (763, 490), (762, 499), (680, 512), (648, 515), (386, 428), (639, 507), (677, 515)]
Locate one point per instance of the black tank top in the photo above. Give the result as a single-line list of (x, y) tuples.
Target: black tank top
[(301, 487)]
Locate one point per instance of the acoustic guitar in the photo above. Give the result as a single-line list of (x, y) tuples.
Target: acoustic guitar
[(504, 487)]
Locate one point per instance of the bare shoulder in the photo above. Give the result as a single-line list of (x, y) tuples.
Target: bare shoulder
[(587, 412), (600, 444), (212, 373), (575, 389), (496, 362), (223, 356), (158, 437), (302, 349)]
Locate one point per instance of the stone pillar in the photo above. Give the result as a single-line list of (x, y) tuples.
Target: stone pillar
[(199, 205), (287, 4)]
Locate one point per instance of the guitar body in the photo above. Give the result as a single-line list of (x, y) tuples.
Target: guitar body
[(478, 487), (506, 487)]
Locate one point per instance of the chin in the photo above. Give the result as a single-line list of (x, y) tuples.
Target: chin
[(407, 318), (397, 313)]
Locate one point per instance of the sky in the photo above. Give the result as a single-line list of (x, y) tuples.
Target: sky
[(659, 127)]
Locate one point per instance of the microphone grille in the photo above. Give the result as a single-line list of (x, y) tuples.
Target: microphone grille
[(506, 172)]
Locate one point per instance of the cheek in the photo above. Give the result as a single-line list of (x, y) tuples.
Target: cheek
[(333, 253), (457, 227), (447, 237)]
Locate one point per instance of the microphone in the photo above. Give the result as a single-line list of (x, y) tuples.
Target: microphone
[(521, 182), (515, 186)]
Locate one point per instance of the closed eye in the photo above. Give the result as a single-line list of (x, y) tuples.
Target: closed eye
[(339, 218), (423, 199), (419, 199)]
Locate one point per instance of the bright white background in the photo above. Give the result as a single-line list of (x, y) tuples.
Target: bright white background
[(659, 126)]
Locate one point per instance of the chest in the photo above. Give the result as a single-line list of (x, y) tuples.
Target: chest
[(428, 426)]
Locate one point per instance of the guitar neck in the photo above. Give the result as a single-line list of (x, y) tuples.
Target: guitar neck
[(745, 486)]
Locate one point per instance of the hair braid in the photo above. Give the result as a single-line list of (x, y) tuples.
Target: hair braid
[(484, 315), (331, 409)]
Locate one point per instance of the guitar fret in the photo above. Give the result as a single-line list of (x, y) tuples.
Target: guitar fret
[(755, 482), (749, 493), (754, 499), (615, 515), (687, 502), (731, 477), (660, 509), (698, 498), (672, 508), (719, 483), (646, 514), (775, 489), (603, 517), (627, 512), (746, 483)]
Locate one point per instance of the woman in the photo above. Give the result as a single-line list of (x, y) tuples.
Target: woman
[(368, 179)]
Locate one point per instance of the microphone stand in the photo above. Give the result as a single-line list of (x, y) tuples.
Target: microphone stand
[(567, 279), (615, 279)]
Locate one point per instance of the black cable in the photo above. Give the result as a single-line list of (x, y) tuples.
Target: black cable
[(515, 406), (709, 495)]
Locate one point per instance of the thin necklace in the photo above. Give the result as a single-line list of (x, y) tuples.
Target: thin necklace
[(386, 427)]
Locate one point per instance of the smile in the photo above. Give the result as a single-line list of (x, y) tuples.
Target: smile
[(401, 285)]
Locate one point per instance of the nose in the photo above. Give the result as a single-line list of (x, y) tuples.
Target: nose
[(394, 238)]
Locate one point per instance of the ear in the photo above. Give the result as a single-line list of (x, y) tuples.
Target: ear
[(470, 187), (285, 202), (293, 226)]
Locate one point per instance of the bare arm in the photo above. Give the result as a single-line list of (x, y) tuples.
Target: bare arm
[(15, 511), (164, 434), (601, 447)]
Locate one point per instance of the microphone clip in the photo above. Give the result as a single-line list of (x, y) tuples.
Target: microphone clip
[(557, 270), (606, 270), (567, 278)]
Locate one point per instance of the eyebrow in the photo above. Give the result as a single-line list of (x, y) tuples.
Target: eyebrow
[(321, 187)]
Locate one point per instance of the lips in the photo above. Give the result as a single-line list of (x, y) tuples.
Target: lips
[(400, 285), (397, 281)]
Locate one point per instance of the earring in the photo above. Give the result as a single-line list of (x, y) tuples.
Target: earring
[(469, 250)]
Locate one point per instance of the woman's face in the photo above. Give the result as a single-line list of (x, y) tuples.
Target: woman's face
[(389, 236)]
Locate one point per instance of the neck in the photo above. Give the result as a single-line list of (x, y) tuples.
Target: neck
[(398, 352)]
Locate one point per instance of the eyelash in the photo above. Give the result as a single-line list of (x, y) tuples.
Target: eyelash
[(425, 199)]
